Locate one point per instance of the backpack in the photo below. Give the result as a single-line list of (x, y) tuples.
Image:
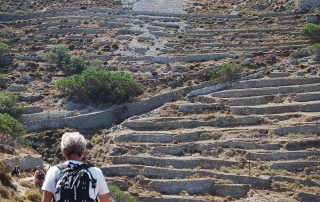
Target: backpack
[(74, 183), (41, 175), (15, 171)]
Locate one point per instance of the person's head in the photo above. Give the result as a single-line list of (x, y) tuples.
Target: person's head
[(73, 146), (38, 167)]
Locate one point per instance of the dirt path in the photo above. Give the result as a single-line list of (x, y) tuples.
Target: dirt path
[(160, 6)]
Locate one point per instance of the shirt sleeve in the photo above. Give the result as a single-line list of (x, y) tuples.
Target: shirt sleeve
[(49, 183), (102, 184)]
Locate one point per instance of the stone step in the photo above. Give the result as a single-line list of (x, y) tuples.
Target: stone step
[(106, 12), (182, 162), (171, 198), (276, 49), (294, 166), (253, 30), (267, 91), (198, 186), (310, 183), (191, 186), (185, 58), (243, 44), (302, 144), (312, 129), (285, 155), (246, 38), (204, 35), (313, 106), (305, 97), (169, 173), (71, 31), (119, 170), (200, 108), (157, 137), (261, 100), (307, 197), (274, 82), (205, 146), (226, 121)]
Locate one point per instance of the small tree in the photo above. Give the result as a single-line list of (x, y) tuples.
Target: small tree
[(99, 85), (225, 72), (76, 64), (311, 30), (66, 61), (315, 49), (10, 126), (122, 196), (59, 53), (8, 103), (4, 49)]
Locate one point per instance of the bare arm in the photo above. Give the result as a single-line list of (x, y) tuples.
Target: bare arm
[(103, 198), (47, 196)]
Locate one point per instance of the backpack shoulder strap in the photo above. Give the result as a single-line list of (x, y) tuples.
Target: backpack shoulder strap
[(86, 166)]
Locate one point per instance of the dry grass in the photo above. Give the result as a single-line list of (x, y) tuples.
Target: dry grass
[(7, 194), (222, 181), (5, 179), (296, 186), (27, 184), (34, 195), (255, 171)]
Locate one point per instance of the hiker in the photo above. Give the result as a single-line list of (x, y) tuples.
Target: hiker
[(74, 180), (15, 171), (39, 177)]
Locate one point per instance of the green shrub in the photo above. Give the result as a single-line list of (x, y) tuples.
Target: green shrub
[(60, 53), (66, 61), (76, 64), (311, 30), (121, 196), (9, 125), (4, 49), (8, 103), (315, 48), (99, 85), (225, 72)]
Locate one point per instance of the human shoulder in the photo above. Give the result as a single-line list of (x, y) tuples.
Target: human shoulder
[(53, 170), (96, 171)]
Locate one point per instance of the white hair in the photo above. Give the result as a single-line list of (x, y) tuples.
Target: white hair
[(73, 143)]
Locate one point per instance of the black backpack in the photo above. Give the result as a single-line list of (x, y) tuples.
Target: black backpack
[(74, 183)]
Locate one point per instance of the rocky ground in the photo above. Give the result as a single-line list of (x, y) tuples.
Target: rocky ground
[(251, 140)]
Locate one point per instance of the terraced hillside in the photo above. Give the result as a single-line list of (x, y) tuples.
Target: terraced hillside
[(163, 51), (253, 136)]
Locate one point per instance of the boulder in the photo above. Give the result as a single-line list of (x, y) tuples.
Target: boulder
[(5, 60), (301, 54), (248, 62), (17, 88), (4, 81), (31, 110), (308, 5), (315, 19), (26, 78), (26, 162), (271, 59)]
